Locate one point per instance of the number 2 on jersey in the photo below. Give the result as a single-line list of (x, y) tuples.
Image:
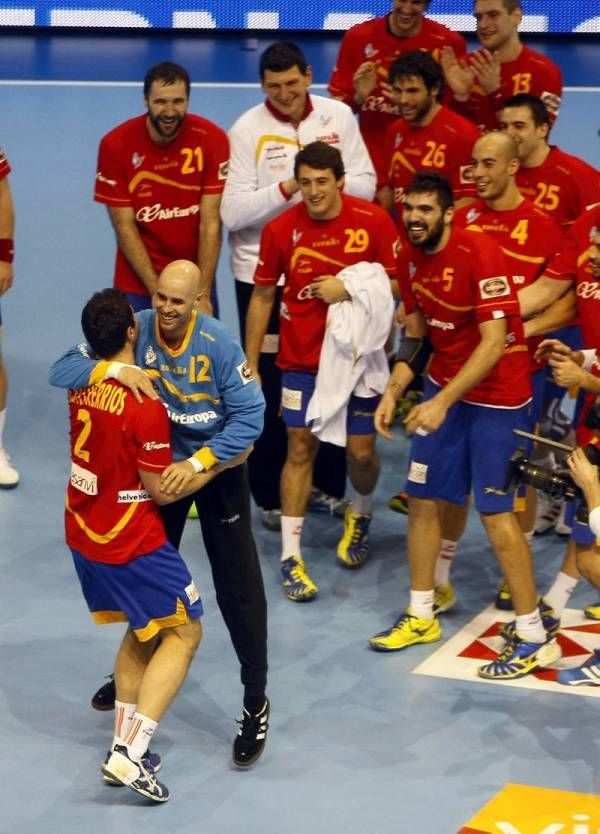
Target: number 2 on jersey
[(83, 416)]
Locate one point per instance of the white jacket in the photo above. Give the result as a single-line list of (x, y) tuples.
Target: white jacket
[(263, 149), (353, 358)]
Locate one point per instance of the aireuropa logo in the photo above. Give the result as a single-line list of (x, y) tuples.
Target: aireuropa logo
[(526, 809)]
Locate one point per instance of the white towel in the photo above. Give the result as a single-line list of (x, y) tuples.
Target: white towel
[(352, 357)]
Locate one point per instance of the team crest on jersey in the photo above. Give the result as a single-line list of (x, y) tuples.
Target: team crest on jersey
[(412, 270), (593, 234), (136, 159), (149, 356), (245, 372), (284, 312), (370, 51), (398, 140), (296, 235), (494, 287), (472, 215)]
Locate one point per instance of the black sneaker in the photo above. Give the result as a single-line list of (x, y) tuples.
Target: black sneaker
[(251, 737), (104, 698)]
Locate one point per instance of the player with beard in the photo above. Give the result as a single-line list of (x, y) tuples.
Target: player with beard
[(504, 67), (428, 136), (458, 296), (161, 176), (360, 76)]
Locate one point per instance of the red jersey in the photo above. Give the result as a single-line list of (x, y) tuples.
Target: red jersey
[(531, 72), (445, 146), (573, 264), (303, 249), (163, 184), (528, 237), (563, 185), (109, 515), (4, 166), (373, 41), (457, 289)]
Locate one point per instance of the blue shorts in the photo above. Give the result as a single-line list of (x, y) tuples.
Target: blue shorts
[(296, 390), (151, 592), (139, 301), (580, 533), (470, 451)]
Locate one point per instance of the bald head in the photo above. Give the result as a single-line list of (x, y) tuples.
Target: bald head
[(176, 298), (494, 165), (497, 145)]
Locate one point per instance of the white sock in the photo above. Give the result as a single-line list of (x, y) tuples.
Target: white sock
[(124, 714), (444, 562), (2, 423), (291, 533), (529, 627), (421, 604), (559, 593), (141, 731), (362, 504)]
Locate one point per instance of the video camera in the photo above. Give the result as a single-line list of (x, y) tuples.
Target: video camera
[(558, 483)]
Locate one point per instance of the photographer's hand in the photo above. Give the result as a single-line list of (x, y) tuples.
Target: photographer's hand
[(566, 372), (585, 475)]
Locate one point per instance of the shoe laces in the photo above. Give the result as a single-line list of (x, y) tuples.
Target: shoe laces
[(250, 724), (358, 531), (330, 501)]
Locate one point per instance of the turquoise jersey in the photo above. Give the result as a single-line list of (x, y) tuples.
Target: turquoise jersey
[(210, 394)]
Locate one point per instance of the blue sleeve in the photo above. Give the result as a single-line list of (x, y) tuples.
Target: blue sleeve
[(74, 368), (243, 401)]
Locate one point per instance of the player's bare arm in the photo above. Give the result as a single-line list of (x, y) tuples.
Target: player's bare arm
[(257, 321), (209, 246), (559, 314), (131, 245), (402, 374), (541, 294)]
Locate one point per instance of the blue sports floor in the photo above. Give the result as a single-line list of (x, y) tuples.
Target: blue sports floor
[(358, 744)]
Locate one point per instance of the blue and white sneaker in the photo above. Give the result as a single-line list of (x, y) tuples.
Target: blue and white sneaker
[(149, 760), (518, 658), (588, 674), (320, 502), (137, 776)]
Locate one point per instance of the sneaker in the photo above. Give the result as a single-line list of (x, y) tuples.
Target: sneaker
[(137, 776), (9, 477), (444, 599), (549, 620), (547, 511), (399, 503), (149, 760), (104, 698), (588, 674), (353, 547), (252, 735), (297, 584), (503, 599), (406, 631), (271, 519), (560, 528), (320, 502), (592, 612), (518, 658)]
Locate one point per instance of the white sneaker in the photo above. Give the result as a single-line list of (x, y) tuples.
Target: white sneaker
[(9, 477), (546, 513), (560, 527)]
